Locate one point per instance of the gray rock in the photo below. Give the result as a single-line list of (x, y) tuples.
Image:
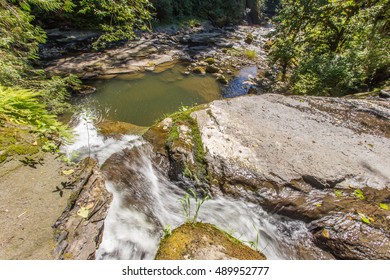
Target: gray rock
[(385, 93), (78, 231), (291, 155)]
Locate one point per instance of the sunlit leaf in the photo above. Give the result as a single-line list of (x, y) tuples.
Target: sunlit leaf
[(83, 212), (364, 218), (68, 172), (325, 233), (338, 193), (384, 206), (359, 194)]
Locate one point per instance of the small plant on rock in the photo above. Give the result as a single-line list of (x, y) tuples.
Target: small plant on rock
[(186, 204)]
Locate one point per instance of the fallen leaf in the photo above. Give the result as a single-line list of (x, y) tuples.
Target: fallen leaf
[(364, 218), (338, 193), (384, 206), (359, 194), (68, 172), (325, 233), (83, 212), (318, 204)]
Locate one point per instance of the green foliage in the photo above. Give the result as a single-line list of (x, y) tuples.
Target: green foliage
[(359, 194), (332, 47), (20, 106), (220, 12), (338, 193), (167, 231), (117, 19), (186, 205)]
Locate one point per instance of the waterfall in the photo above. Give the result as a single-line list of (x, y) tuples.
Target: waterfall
[(145, 201)]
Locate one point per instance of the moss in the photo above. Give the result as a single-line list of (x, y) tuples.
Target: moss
[(187, 241), (250, 54), (199, 170), (68, 256), (249, 38), (210, 61), (116, 128), (173, 135), (16, 141), (21, 149)]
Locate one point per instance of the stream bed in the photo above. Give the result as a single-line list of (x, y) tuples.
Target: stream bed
[(132, 231)]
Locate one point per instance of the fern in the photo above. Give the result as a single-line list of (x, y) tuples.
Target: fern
[(21, 106)]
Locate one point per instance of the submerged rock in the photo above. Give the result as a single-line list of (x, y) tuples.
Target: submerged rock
[(117, 128), (204, 242)]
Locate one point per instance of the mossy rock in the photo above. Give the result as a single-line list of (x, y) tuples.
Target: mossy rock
[(199, 70), (116, 128), (203, 242), (209, 60), (212, 69), (222, 79)]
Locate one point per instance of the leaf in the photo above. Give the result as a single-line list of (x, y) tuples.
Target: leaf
[(83, 212), (338, 193), (68, 172), (325, 233), (318, 204), (89, 206), (365, 219), (359, 194), (384, 206)]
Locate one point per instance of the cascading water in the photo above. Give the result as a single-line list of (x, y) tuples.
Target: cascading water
[(144, 201)]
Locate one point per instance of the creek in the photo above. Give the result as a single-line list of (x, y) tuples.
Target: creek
[(133, 230)]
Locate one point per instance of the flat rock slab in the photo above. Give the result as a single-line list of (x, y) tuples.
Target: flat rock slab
[(319, 160), (283, 138)]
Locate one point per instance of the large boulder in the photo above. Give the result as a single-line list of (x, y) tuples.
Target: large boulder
[(324, 161), (201, 241)]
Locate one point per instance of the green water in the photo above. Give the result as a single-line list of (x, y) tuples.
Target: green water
[(142, 98)]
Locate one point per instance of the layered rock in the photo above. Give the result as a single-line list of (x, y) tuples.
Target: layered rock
[(324, 161), (78, 231)]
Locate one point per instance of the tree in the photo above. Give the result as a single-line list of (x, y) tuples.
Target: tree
[(332, 47)]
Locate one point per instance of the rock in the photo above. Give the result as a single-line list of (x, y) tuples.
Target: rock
[(279, 151), (203, 242), (249, 38), (86, 90), (78, 232), (117, 128), (212, 69), (347, 237), (202, 39), (222, 79), (199, 70), (209, 60), (385, 93)]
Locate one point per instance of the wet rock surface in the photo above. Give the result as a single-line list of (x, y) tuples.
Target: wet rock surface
[(324, 161), (204, 242), (78, 231)]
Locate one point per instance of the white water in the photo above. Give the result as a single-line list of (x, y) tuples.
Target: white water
[(134, 231)]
